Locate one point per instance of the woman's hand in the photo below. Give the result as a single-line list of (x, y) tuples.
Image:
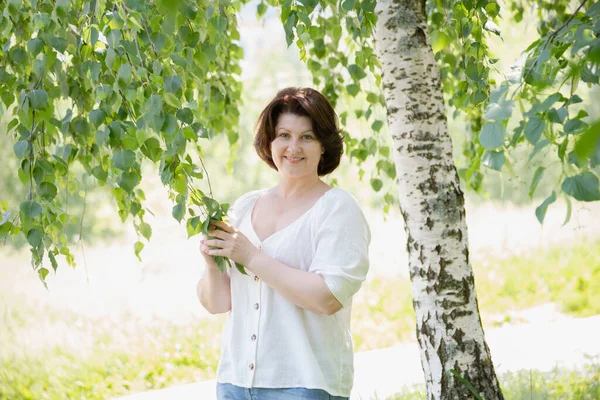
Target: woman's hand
[(229, 243)]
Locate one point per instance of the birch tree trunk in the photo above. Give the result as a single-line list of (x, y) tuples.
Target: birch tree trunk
[(449, 328)]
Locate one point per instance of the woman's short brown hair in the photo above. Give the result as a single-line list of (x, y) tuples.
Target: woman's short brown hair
[(304, 102)]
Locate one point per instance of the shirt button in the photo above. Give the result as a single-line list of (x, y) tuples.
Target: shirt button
[(256, 306), (256, 278), (251, 366), (253, 338)]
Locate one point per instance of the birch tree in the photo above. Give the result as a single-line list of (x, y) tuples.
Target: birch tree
[(449, 330)]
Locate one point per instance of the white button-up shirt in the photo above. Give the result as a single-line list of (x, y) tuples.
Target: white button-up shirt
[(269, 342)]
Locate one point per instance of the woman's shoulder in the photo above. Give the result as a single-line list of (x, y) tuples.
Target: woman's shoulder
[(339, 197), (243, 203), (337, 201)]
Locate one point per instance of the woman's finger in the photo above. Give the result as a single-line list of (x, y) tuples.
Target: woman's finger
[(216, 233), (223, 225), (217, 252), (214, 243)]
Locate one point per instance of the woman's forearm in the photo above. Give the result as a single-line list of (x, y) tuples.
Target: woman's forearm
[(214, 291), (304, 289)]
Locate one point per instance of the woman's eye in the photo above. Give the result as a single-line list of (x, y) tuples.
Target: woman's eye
[(307, 137), (283, 135)]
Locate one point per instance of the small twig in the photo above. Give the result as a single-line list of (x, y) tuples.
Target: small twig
[(149, 39), (207, 176), (87, 278)]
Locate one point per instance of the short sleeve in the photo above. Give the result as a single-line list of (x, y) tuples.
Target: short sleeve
[(241, 206), (341, 246)]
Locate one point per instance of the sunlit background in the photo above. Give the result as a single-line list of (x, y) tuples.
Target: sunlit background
[(114, 325)]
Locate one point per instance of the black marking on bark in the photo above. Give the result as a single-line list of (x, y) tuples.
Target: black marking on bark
[(438, 249), (456, 313), (454, 233), (420, 147), (458, 338), (392, 110), (429, 223)]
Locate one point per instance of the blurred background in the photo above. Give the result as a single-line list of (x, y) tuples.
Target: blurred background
[(114, 325)]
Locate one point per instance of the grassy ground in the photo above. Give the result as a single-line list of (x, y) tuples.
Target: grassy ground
[(564, 384), (100, 358)]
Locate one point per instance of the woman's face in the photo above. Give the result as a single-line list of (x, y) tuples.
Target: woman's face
[(296, 151)]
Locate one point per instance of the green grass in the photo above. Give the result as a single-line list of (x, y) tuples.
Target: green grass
[(100, 358), (150, 358), (569, 277), (560, 383)]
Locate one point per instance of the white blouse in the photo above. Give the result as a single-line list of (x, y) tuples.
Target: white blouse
[(269, 342)]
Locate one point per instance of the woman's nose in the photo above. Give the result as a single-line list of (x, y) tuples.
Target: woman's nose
[(294, 144)]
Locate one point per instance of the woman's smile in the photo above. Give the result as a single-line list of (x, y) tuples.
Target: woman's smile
[(294, 160)]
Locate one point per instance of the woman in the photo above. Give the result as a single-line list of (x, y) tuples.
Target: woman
[(305, 248)]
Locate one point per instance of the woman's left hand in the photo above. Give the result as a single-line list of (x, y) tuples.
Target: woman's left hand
[(230, 243)]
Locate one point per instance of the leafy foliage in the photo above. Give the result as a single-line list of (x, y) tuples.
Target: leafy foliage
[(542, 92), (107, 85)]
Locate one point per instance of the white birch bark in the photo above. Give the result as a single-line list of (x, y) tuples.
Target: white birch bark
[(449, 328)]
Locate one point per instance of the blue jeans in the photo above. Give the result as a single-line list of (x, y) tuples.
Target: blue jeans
[(227, 391)]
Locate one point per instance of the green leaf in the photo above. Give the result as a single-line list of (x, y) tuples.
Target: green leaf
[(574, 126), (43, 273), (569, 211), (34, 237), (151, 149), (21, 149), (537, 177), (493, 159), (172, 100), (241, 268), (124, 75), (53, 261), (129, 180), (178, 211), (185, 115), (353, 89), (137, 248), (540, 211), (47, 191), (583, 187), (492, 135), (193, 226), (534, 128), (100, 174), (588, 145), (35, 46), (97, 117), (172, 84), (376, 184), (30, 208), (38, 99), (377, 125), (113, 38), (146, 230), (498, 111), (221, 263), (348, 5), (439, 40), (356, 72), (261, 9), (124, 159)]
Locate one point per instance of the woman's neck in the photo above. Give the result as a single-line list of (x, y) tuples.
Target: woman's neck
[(297, 188)]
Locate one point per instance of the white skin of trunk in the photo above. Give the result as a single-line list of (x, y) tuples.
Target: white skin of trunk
[(449, 329)]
